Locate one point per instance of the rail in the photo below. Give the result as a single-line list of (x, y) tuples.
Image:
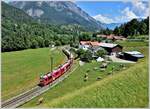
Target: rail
[(34, 92)]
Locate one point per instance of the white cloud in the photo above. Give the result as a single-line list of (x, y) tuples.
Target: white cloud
[(129, 14), (140, 8), (103, 19), (126, 15)]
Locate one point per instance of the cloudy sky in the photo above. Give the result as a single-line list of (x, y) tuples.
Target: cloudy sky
[(115, 11), (112, 11)]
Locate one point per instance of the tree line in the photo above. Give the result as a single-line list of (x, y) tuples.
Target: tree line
[(19, 36), (134, 27)]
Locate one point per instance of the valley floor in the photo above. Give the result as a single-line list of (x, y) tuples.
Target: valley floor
[(21, 69), (121, 88)]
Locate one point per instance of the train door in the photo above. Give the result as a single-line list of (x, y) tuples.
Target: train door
[(50, 79)]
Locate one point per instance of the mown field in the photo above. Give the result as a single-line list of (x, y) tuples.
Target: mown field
[(75, 82), (132, 43), (128, 88), (21, 69), (124, 88)]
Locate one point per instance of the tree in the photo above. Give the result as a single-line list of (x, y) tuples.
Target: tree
[(58, 43), (142, 28), (34, 44), (101, 52), (85, 36), (116, 31), (79, 52), (86, 56)]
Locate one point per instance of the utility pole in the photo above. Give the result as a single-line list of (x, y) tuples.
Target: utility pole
[(51, 59), (51, 63)]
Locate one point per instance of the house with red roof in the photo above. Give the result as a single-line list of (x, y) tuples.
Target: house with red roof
[(95, 45)]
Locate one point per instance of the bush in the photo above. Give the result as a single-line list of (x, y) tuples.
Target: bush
[(101, 53), (79, 52), (86, 56)]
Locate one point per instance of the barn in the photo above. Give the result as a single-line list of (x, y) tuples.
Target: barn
[(88, 44), (133, 55), (111, 48)]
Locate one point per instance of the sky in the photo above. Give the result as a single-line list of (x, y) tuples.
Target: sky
[(113, 11)]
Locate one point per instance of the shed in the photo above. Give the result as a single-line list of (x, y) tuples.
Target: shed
[(110, 47), (133, 55)]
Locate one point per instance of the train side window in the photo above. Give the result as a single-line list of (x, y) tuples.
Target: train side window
[(45, 79), (49, 77)]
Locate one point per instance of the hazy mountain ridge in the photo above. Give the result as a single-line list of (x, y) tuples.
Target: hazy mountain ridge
[(111, 26)]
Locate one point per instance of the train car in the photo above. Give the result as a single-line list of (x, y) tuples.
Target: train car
[(56, 73), (51, 76)]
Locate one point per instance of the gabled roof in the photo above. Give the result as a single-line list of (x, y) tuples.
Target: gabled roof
[(93, 43), (84, 42), (135, 54), (108, 45)]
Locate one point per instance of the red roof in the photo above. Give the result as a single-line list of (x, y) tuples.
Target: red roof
[(93, 43)]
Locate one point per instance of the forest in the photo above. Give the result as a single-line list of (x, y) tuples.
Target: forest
[(132, 28), (20, 31)]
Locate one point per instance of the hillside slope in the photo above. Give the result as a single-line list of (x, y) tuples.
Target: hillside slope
[(20, 31), (126, 89), (57, 12), (14, 14)]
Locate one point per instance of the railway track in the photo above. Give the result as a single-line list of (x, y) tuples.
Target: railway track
[(34, 92)]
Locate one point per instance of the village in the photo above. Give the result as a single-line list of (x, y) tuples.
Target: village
[(106, 54), (113, 51)]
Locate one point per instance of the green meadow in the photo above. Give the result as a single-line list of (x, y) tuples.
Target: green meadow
[(21, 69), (132, 43), (128, 88), (121, 88)]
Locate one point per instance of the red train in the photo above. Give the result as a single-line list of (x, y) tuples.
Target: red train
[(51, 76)]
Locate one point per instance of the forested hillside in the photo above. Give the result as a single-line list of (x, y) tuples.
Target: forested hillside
[(20, 31), (134, 27)]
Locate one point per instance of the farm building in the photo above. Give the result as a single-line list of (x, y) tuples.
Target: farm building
[(111, 37), (131, 55), (94, 46), (111, 48), (88, 44)]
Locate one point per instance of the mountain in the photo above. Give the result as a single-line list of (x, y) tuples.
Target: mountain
[(10, 13), (20, 31), (57, 12), (111, 26)]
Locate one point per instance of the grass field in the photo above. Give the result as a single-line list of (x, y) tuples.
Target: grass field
[(21, 69), (75, 82), (128, 88), (132, 43), (125, 88)]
